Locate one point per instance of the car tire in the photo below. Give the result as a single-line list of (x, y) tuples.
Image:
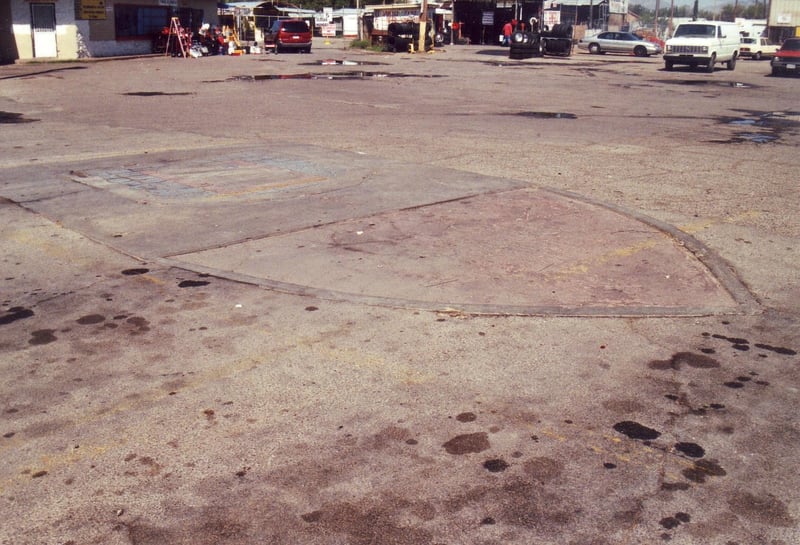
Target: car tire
[(709, 67), (594, 49), (731, 64), (757, 56), (776, 71), (640, 51), (277, 47), (668, 65)]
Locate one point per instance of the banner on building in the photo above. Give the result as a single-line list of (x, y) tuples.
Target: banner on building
[(618, 6), (90, 9), (551, 17)]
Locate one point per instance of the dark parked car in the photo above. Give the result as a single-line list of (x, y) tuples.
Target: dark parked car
[(619, 42), (787, 58), (285, 34)]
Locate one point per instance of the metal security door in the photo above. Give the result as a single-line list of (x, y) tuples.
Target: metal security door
[(43, 25)]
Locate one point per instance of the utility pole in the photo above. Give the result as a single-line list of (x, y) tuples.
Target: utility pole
[(655, 22), (423, 23)]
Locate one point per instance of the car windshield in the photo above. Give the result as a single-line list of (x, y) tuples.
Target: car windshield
[(695, 30), (748, 40), (791, 45), (295, 26)]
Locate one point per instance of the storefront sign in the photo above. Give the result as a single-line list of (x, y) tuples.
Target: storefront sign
[(90, 9), (618, 6), (488, 18), (551, 17)]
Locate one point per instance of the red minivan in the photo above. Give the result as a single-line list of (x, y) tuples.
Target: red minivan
[(285, 34)]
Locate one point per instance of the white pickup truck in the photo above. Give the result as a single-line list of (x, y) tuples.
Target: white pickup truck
[(757, 48)]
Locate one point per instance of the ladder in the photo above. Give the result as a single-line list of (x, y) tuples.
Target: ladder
[(177, 39)]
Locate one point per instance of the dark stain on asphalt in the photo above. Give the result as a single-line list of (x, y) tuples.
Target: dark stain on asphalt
[(732, 340), (466, 417), (702, 469), (777, 349), (547, 115), (42, 336), (344, 75), (734, 384), (43, 72), (634, 430), (90, 319), (155, 94), (690, 359), (10, 118), (193, 283), (141, 324), (674, 521), (134, 272), (363, 525), (495, 465), (311, 308), (15, 313), (766, 509), (692, 450), (675, 486), (467, 443), (543, 469)]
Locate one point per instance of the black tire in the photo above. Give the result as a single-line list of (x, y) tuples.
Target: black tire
[(709, 67), (307, 49), (594, 49), (757, 56), (668, 65), (640, 51), (731, 64), (277, 47), (776, 71)]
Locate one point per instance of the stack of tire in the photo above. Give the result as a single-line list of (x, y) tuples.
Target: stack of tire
[(403, 35), (524, 45), (558, 40)]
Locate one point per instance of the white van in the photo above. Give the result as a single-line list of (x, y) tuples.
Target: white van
[(703, 43)]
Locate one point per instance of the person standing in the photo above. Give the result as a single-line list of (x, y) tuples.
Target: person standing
[(508, 28)]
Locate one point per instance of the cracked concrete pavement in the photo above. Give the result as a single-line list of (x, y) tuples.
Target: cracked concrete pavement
[(398, 300)]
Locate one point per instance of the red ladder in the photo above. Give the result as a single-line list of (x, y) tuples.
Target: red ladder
[(179, 41)]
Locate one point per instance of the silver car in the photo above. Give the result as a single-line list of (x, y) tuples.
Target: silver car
[(619, 42)]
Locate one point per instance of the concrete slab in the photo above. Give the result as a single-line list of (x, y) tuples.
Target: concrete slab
[(349, 226)]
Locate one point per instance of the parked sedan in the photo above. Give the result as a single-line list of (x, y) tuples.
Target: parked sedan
[(757, 48), (619, 42), (787, 58)]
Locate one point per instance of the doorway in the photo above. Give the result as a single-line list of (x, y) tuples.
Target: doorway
[(43, 26)]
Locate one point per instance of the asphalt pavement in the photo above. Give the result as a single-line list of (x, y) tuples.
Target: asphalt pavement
[(354, 297)]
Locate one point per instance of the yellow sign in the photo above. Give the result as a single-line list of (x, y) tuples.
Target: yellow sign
[(90, 9)]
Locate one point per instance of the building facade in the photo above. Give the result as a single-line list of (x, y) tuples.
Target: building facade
[(73, 29), (784, 20)]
